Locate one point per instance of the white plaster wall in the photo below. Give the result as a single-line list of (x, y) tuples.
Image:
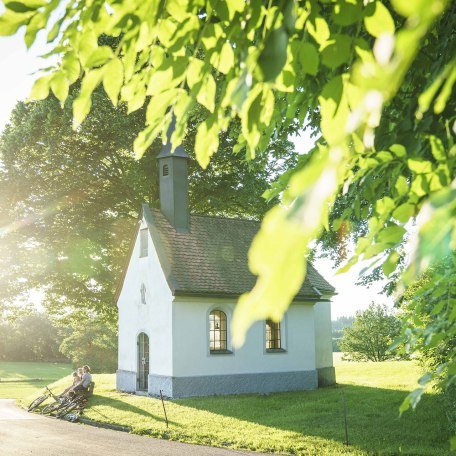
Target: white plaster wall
[(191, 354), (323, 334), (153, 318)]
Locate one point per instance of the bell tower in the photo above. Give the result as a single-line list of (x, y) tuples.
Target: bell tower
[(173, 184)]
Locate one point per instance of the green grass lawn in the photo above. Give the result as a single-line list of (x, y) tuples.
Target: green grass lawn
[(19, 380), (309, 423)]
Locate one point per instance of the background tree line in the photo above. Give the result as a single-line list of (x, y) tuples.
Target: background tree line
[(27, 334), (338, 325)]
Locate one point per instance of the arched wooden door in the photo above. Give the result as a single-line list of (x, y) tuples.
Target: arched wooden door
[(143, 362)]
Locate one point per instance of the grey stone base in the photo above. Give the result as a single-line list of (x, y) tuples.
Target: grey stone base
[(326, 376), (176, 387), (160, 382), (126, 381)]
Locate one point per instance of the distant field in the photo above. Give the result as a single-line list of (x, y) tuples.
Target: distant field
[(299, 423), (18, 380)]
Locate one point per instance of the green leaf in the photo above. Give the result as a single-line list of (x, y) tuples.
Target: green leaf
[(389, 266), (334, 109), (392, 234), (25, 5), (37, 23), (274, 55), (437, 149), (83, 103), (223, 61), (384, 206), (113, 79), (336, 51), (211, 35), (419, 166), (240, 89), (99, 57), (235, 6), (411, 400), (445, 93), (408, 8), (318, 29), (289, 15), (378, 19), (60, 86), (425, 99), (206, 94), (159, 104), (53, 33), (170, 74), (206, 140), (268, 106), (195, 72), (71, 67), (398, 150), (147, 137), (309, 58), (87, 45), (401, 186), (251, 115), (40, 89), (346, 12), (419, 186), (20, 7), (404, 212), (11, 21)]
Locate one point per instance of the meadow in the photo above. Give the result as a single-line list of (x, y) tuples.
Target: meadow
[(307, 422), (20, 379)]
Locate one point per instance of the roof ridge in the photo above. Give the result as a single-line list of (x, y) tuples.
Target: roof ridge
[(225, 218), (216, 216)]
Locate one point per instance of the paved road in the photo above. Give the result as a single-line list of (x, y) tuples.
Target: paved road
[(23, 433)]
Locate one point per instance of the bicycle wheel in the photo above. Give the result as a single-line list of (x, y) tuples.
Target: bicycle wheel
[(37, 402), (53, 407), (67, 409)]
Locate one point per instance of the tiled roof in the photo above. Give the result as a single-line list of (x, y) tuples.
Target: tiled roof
[(211, 259)]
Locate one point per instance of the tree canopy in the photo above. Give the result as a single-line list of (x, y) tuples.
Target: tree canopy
[(375, 78), (75, 197), (371, 335)]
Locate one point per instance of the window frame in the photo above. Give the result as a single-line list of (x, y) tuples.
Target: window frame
[(210, 344), (143, 242), (282, 337), (143, 293)]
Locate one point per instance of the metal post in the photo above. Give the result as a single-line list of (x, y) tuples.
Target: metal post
[(164, 409), (345, 418)]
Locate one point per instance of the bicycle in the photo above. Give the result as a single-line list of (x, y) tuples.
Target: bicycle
[(39, 400), (76, 403), (57, 405)]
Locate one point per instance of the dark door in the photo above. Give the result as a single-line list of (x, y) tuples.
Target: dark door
[(143, 361)]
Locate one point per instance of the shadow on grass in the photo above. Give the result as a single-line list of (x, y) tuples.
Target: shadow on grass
[(121, 406), (372, 414)]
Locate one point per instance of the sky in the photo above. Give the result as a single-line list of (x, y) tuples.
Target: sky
[(16, 79)]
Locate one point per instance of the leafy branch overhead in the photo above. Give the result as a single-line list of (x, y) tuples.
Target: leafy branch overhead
[(374, 77)]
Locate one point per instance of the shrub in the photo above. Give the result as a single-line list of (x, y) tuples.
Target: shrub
[(370, 337)]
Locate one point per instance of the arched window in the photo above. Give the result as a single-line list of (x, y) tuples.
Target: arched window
[(165, 170), (273, 336), (217, 331)]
